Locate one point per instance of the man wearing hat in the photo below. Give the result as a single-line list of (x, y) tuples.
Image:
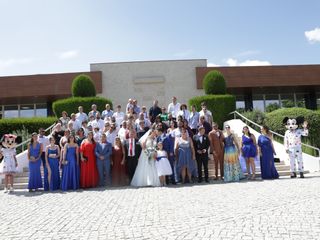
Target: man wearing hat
[(201, 145)]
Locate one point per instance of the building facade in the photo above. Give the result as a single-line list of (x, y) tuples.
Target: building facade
[(254, 87)]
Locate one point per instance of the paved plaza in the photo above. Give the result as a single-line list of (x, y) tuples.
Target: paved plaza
[(278, 209)]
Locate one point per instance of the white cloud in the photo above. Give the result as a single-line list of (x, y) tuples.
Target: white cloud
[(313, 35), (248, 53), (12, 62), (212, 65), (68, 54), (235, 62)]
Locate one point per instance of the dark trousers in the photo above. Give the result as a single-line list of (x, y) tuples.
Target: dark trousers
[(132, 163), (202, 159), (172, 177)]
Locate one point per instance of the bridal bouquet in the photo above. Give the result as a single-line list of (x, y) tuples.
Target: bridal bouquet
[(150, 153)]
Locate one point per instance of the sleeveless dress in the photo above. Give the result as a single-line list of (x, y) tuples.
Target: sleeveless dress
[(162, 164), (70, 177), (249, 150), (8, 164), (232, 168), (54, 166), (146, 172), (35, 180), (185, 158), (268, 169), (118, 173)]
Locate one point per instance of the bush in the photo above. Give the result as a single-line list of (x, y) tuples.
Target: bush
[(15, 125), (70, 105), (83, 86), (255, 115), (272, 107), (219, 105), (214, 83), (274, 122)]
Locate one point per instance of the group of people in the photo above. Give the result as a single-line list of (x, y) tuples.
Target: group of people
[(142, 148)]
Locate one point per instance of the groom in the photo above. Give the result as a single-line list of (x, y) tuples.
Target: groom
[(133, 150)]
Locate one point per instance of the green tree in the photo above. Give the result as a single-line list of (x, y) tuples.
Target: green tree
[(83, 86), (214, 83)]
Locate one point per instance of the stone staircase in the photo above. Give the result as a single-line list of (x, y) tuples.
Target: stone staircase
[(21, 179)]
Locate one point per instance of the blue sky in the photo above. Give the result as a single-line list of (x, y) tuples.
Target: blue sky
[(39, 36)]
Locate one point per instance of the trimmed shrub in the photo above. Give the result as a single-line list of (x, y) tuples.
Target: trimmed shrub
[(15, 125), (255, 115), (83, 86), (274, 122), (214, 83), (219, 105), (272, 107), (70, 105)]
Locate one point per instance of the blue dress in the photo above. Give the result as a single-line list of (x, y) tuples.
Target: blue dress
[(70, 174), (268, 169), (249, 150), (35, 180), (55, 174), (185, 158)]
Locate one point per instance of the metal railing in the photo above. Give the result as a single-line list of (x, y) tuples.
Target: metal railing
[(235, 113), (23, 144)]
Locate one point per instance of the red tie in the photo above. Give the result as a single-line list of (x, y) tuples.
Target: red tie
[(131, 144)]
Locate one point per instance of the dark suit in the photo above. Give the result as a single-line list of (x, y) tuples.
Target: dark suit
[(203, 157), (132, 161)]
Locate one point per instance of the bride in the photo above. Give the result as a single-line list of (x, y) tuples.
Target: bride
[(146, 173)]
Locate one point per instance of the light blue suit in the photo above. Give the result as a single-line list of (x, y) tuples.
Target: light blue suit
[(103, 165)]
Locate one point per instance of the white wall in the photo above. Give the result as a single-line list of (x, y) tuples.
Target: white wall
[(149, 80)]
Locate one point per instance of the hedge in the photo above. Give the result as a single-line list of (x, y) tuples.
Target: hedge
[(214, 83), (9, 125), (70, 105), (219, 105), (83, 86), (274, 122)]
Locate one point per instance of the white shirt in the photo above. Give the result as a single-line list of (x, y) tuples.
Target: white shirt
[(184, 113), (207, 116), (97, 136), (119, 116), (44, 140), (82, 117), (174, 109), (122, 133), (147, 123), (111, 136), (98, 123), (76, 124)]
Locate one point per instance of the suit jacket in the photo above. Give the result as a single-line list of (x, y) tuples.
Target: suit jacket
[(106, 151), (137, 148), (167, 142), (198, 145), (217, 142)]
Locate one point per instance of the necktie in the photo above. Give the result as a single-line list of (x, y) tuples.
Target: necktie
[(131, 144)]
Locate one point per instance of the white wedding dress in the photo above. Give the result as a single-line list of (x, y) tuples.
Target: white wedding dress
[(146, 172)]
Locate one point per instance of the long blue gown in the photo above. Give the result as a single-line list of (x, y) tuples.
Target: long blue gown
[(54, 166), (35, 180), (268, 169), (70, 174)]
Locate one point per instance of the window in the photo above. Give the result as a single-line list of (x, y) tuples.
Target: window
[(27, 110), (11, 112), (272, 102), (287, 100), (318, 100), (258, 102), (240, 103), (41, 110), (300, 100)]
